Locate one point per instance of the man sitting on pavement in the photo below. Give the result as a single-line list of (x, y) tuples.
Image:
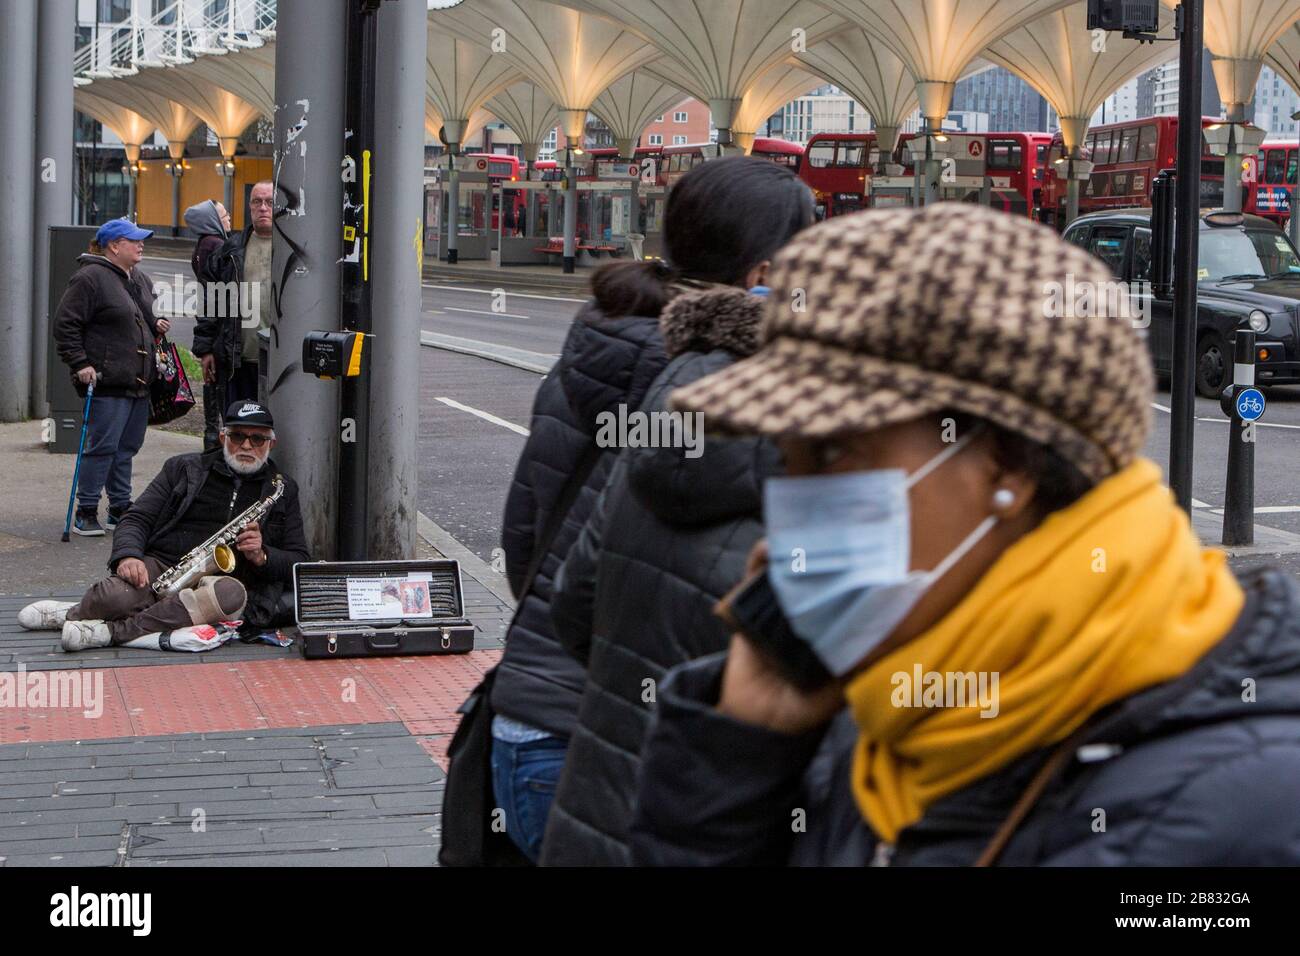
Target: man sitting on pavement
[(192, 498)]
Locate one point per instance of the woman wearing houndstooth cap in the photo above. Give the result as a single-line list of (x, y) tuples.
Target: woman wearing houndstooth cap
[(987, 605)]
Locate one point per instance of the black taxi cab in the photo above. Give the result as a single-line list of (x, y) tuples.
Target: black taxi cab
[(1248, 278)]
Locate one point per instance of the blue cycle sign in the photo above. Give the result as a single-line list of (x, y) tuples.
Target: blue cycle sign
[(1250, 405)]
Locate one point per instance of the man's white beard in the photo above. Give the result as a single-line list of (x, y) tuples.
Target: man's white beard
[(238, 467)]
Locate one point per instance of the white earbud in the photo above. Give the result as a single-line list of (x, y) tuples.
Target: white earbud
[(1004, 498)]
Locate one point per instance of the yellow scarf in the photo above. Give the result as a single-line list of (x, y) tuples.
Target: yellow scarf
[(1105, 598)]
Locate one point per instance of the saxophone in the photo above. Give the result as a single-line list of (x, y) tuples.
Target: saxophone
[(216, 554)]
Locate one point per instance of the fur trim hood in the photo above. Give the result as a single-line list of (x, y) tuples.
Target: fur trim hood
[(720, 317)]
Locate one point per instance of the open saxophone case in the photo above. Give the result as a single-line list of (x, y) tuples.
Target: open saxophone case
[(380, 608)]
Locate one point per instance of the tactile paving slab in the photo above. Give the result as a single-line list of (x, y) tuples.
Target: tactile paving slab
[(426, 690), (311, 693), (422, 692), (76, 704), (176, 699)]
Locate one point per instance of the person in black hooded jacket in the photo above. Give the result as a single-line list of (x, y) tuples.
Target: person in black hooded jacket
[(612, 355), (670, 533)]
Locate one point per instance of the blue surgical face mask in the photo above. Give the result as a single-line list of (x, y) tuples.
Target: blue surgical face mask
[(761, 291), (840, 553)]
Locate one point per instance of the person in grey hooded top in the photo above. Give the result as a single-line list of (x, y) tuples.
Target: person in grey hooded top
[(210, 222)]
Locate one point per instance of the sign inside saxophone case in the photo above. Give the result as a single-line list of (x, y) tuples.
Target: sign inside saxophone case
[(387, 598), (332, 354)]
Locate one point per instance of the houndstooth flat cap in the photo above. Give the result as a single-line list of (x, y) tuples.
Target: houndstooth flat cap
[(888, 315)]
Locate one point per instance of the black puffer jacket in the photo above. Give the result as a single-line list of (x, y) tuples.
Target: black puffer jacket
[(169, 496), (669, 537), (604, 363), (1187, 773), (105, 320)]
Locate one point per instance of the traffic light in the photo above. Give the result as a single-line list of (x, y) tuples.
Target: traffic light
[(1124, 16)]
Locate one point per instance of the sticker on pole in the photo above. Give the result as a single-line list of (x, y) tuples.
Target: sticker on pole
[(1250, 405)]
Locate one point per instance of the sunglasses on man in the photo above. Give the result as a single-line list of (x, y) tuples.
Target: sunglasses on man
[(237, 438)]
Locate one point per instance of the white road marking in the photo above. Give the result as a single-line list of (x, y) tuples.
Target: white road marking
[(1268, 510), (448, 288), (521, 295), (1224, 421), (486, 416), (508, 315)]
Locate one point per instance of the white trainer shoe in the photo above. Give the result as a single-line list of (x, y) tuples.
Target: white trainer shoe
[(45, 615), (80, 635)]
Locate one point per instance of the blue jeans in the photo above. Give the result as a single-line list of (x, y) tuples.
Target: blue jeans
[(524, 777), (114, 435)]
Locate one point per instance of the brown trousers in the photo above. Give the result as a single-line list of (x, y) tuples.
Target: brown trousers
[(131, 612)]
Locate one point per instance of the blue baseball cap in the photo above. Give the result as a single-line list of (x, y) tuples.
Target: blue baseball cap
[(120, 229)]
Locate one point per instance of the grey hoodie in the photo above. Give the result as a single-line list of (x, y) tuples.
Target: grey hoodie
[(204, 220)]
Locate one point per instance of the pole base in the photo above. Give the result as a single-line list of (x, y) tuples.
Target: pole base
[(453, 256), (570, 263)]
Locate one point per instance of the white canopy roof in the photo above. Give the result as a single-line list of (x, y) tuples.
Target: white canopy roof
[(717, 50), (461, 77), (1240, 34), (528, 111), (631, 102), (938, 39), (768, 93), (170, 118), (223, 111), (249, 74), (1058, 56), (572, 56), (129, 126), (1284, 57), (433, 122), (868, 71)]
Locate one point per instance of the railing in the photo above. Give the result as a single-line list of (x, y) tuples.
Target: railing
[(173, 36)]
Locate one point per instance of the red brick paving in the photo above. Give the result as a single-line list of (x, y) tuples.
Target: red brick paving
[(421, 692), (180, 699)]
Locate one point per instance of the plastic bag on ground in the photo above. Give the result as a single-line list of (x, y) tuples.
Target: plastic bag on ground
[(200, 637)]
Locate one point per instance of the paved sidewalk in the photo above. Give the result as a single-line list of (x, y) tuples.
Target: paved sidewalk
[(245, 755)]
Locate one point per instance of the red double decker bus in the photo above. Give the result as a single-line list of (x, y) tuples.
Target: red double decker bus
[(837, 168), (779, 151), (676, 161), (1126, 158), (1016, 163), (1270, 179)]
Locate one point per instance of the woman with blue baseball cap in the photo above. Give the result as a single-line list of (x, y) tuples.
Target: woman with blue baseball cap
[(104, 330)]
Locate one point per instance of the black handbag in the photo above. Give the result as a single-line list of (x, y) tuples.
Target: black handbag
[(469, 800), (468, 835), (170, 395)]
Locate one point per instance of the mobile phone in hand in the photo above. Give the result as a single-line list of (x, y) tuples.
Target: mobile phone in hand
[(752, 609)]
